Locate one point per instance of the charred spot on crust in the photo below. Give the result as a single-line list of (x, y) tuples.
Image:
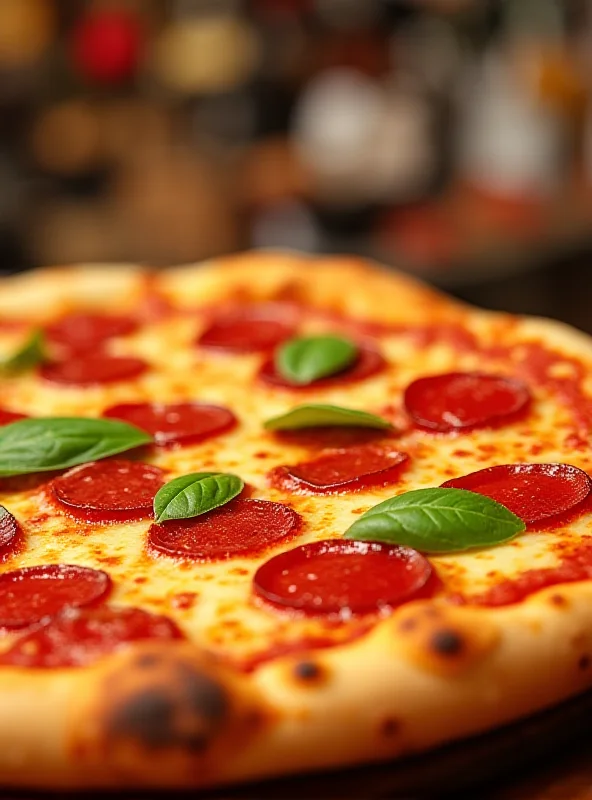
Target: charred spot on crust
[(408, 624), (390, 727), (147, 660), (446, 642), (558, 600), (308, 671), (584, 662), (184, 710), (147, 715)]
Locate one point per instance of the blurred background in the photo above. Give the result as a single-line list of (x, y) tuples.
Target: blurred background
[(449, 138)]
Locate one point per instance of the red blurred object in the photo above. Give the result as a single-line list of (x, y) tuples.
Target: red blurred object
[(281, 9), (106, 45), (424, 234), (364, 51), (521, 216)]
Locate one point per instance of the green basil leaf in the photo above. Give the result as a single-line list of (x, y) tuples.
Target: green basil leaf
[(438, 521), (192, 495), (315, 415), (41, 444), (304, 360), (31, 353)]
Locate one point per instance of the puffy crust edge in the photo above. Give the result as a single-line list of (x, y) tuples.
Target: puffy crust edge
[(162, 714)]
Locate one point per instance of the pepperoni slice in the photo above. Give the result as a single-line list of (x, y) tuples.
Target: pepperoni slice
[(93, 369), (9, 533), (78, 637), (176, 423), (80, 333), (337, 576), (248, 330), (29, 594), (457, 400), (369, 362), (6, 416), (108, 491), (240, 528), (341, 470), (531, 491)]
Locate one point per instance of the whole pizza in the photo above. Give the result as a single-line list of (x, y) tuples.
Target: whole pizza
[(272, 514)]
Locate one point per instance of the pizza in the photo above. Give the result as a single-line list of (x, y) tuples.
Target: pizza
[(274, 514)]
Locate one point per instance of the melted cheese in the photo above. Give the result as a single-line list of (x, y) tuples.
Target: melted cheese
[(212, 601)]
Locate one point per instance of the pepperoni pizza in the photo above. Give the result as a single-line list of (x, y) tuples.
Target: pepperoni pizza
[(276, 514)]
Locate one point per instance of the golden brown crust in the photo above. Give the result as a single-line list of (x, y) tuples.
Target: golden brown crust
[(341, 284), (163, 714)]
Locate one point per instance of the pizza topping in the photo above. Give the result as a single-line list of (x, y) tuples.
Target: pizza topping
[(86, 332), (306, 359), (7, 416), (108, 491), (41, 444), (31, 353), (461, 400), (437, 521), (531, 491), (175, 423), (315, 415), (96, 368), (368, 362), (242, 527), (29, 594), (9, 533), (573, 567), (249, 330), (78, 637), (195, 494), (336, 576), (340, 470)]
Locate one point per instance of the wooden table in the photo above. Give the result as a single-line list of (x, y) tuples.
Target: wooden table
[(568, 777)]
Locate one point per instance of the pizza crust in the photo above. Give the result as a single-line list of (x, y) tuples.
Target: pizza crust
[(165, 714)]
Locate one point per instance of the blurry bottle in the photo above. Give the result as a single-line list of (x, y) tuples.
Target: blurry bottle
[(511, 150), (362, 142)]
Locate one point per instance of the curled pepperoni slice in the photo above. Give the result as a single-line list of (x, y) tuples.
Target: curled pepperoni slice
[(29, 594), (6, 416), (369, 362), (77, 637), (176, 423), (240, 528), (108, 491), (248, 330), (93, 369), (341, 470), (337, 576), (10, 533), (457, 400), (531, 491), (79, 333)]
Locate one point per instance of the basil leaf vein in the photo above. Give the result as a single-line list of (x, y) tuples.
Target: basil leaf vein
[(438, 520), (41, 444), (308, 358), (31, 353), (195, 494), (314, 415)]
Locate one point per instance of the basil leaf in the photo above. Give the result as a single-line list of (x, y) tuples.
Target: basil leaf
[(41, 444), (437, 521), (315, 415), (192, 495), (29, 355), (304, 360)]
